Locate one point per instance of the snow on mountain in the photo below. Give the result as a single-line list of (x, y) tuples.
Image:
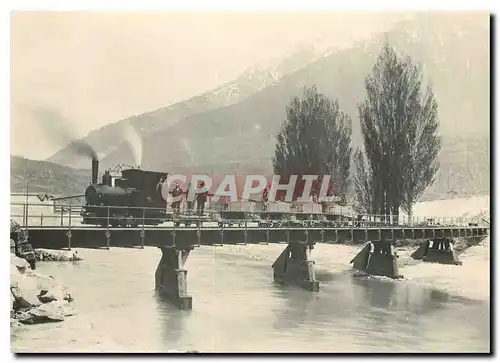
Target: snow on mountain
[(106, 140)]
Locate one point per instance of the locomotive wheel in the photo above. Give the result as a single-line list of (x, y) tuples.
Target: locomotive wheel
[(176, 224), (221, 224)]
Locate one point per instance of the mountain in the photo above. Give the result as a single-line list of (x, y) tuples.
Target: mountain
[(110, 140), (43, 176), (465, 169), (247, 130), (233, 129)]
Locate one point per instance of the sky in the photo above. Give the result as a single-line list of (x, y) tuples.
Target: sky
[(97, 68)]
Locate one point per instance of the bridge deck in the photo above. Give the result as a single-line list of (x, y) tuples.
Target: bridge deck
[(53, 237), (67, 230)]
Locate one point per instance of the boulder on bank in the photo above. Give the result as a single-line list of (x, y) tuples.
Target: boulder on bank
[(36, 298), (19, 244), (14, 226), (57, 256), (45, 313), (48, 296)]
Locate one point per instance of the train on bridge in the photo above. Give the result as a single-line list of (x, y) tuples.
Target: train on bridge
[(135, 197)]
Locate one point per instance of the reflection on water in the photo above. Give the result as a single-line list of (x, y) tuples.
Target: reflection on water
[(296, 310), (172, 321), (237, 307), (374, 292)]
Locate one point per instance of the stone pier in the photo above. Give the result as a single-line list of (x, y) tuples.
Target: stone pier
[(377, 258), (294, 267), (171, 277), (438, 250)]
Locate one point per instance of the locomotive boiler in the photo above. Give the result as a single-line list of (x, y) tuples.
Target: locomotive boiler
[(131, 200)]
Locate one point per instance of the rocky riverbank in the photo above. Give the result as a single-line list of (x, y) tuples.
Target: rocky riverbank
[(36, 298), (26, 251), (57, 256)]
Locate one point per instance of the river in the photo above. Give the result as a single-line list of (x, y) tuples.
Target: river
[(237, 307)]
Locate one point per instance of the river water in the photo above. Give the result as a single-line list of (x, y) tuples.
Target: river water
[(237, 307)]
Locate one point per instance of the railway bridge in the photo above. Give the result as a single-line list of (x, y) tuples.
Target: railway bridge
[(64, 230)]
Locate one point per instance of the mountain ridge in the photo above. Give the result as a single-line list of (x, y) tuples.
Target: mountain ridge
[(454, 56), (147, 123)]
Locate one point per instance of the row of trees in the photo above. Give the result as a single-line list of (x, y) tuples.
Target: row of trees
[(399, 126)]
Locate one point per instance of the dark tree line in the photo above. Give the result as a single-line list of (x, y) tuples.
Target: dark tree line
[(399, 125)]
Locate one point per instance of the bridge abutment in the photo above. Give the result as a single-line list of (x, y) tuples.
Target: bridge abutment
[(438, 250), (377, 258), (171, 277), (294, 267)]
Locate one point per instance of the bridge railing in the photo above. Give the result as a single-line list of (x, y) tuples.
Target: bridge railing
[(75, 210), (61, 204), (44, 214)]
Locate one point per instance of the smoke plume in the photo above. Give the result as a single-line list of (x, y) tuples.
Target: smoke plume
[(80, 147), (60, 131)]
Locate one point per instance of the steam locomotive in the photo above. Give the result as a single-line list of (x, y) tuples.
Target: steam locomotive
[(130, 200)]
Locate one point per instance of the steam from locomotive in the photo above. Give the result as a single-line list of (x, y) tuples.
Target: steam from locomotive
[(134, 140)]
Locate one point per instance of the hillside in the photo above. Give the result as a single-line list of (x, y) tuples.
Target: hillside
[(109, 140), (237, 133), (465, 169), (46, 177)]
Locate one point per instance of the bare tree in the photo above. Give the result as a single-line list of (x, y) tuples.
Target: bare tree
[(399, 126), (315, 139)]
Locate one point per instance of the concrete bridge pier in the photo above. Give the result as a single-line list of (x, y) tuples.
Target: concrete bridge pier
[(294, 267), (171, 277), (438, 250), (377, 258)]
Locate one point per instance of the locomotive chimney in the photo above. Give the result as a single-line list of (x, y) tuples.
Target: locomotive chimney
[(95, 170)]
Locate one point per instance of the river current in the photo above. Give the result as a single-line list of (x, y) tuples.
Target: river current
[(238, 308)]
